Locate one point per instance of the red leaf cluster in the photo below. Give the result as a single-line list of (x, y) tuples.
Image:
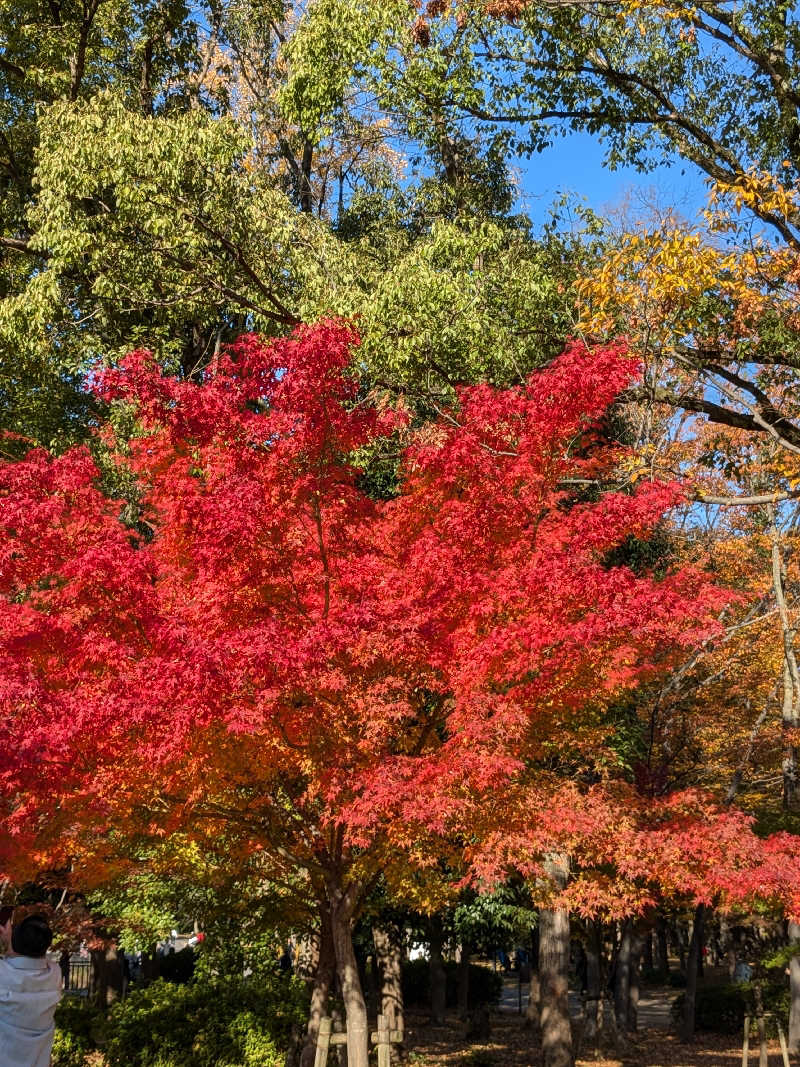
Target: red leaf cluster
[(268, 635)]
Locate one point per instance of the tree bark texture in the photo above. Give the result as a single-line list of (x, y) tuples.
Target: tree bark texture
[(594, 987), (388, 951), (107, 975), (622, 975), (532, 1018), (794, 986), (554, 975), (695, 949), (321, 989), (637, 945), (438, 976), (341, 913)]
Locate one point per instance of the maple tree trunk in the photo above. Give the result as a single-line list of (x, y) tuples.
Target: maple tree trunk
[(554, 984), (637, 941), (341, 913), (534, 990), (554, 974), (626, 977), (387, 941), (107, 975), (680, 945), (692, 967), (323, 981), (594, 986), (794, 986), (622, 976), (438, 976)]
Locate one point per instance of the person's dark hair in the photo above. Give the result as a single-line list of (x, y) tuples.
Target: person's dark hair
[(31, 937)]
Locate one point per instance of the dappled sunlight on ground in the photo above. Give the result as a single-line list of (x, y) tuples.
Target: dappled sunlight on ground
[(512, 1045)]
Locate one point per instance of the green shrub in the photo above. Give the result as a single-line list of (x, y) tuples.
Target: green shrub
[(485, 986), (224, 1022), (76, 1026), (68, 1050), (721, 1009)]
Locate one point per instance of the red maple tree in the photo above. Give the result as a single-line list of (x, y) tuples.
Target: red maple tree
[(251, 641)]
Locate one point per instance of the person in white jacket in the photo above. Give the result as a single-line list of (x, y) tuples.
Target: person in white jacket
[(30, 989)]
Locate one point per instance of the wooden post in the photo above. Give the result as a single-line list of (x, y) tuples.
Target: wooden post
[(763, 1054), (383, 1038), (323, 1042), (784, 1049), (745, 1043), (383, 1043)]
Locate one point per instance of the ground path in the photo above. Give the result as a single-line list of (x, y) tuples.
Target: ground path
[(654, 1004), (511, 1044)]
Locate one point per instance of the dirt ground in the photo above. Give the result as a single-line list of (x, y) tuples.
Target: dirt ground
[(511, 1045)]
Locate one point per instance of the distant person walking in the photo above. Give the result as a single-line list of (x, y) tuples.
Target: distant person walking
[(30, 988)]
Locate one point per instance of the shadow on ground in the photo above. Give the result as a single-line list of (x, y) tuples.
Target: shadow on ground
[(512, 1045)]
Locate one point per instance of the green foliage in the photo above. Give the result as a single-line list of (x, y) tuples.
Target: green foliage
[(323, 57), (652, 556), (158, 232), (222, 1022), (485, 986), (77, 1022), (68, 1050), (468, 302), (487, 920), (721, 1009), (53, 54), (171, 883)]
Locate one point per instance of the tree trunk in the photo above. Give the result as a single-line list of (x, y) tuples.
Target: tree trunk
[(372, 984), (594, 987), (107, 975), (695, 948), (790, 714), (532, 1018), (438, 976), (622, 976), (794, 986), (680, 944), (388, 951), (554, 975), (323, 981), (305, 191), (637, 942), (341, 913)]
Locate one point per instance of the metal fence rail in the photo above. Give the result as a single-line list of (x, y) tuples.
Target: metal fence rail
[(78, 979)]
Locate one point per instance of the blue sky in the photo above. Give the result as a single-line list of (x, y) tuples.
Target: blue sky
[(574, 164)]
